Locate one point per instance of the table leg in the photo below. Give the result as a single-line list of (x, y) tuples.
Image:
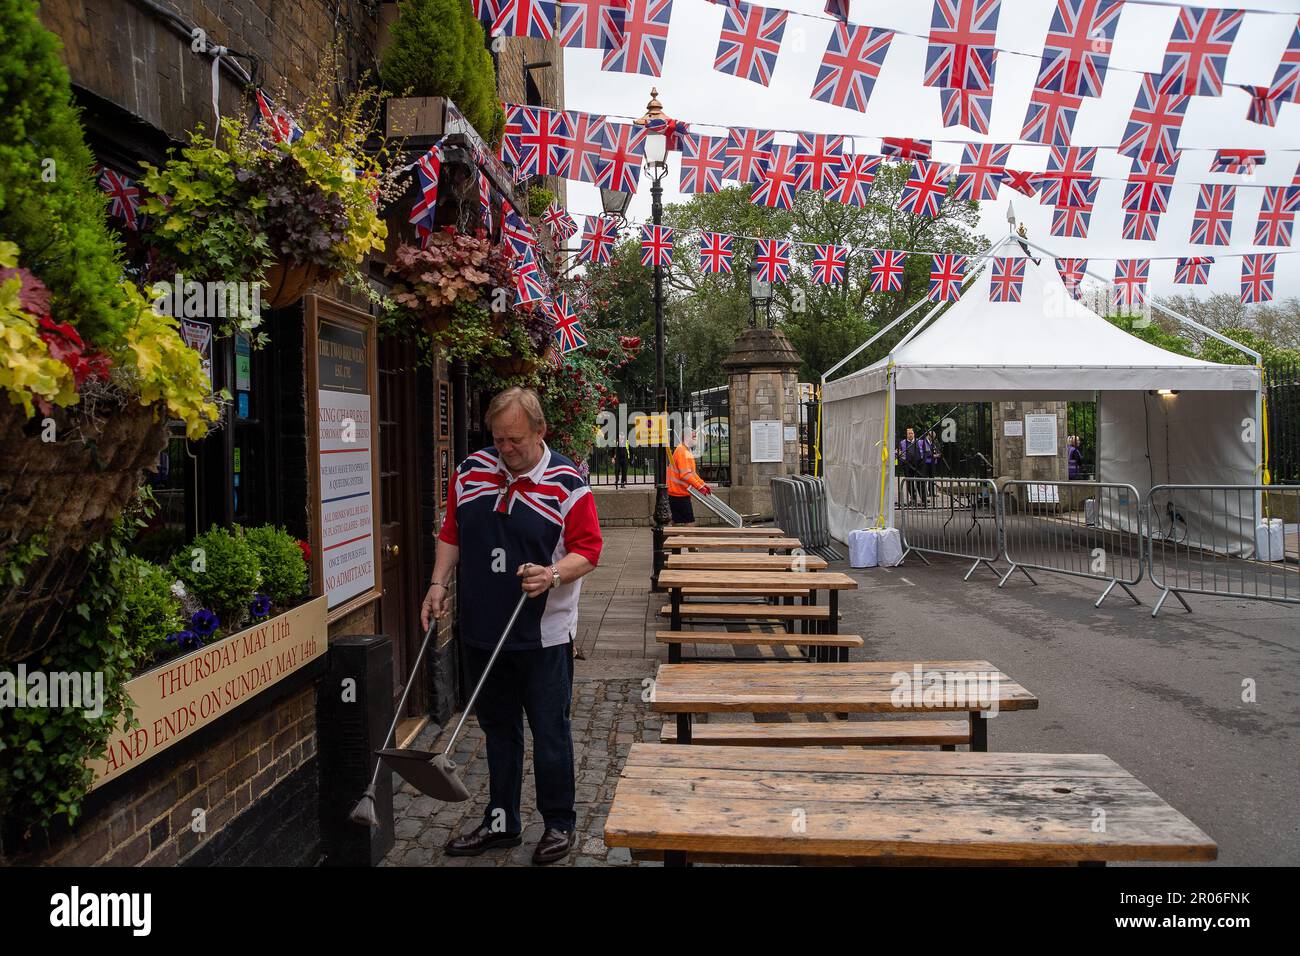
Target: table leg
[(979, 731), (675, 858), (675, 620), (674, 653), (683, 728)]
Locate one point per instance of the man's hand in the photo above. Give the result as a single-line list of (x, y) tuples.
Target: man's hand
[(437, 602), (536, 578), (705, 490)]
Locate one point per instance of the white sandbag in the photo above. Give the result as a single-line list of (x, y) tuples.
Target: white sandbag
[(863, 549), (889, 550), (1090, 512), (1269, 543)]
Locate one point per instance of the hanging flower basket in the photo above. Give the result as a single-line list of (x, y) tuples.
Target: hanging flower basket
[(512, 366), (68, 491), (287, 282)]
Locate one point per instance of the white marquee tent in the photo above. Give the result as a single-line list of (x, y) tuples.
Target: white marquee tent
[(1046, 347)]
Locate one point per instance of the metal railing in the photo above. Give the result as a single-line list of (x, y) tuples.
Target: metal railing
[(958, 517), (800, 507), (719, 507), (1087, 529)]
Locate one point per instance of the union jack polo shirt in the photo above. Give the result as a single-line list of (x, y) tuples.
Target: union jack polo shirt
[(500, 522)]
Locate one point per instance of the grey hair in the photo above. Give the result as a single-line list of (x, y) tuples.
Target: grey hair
[(525, 398)]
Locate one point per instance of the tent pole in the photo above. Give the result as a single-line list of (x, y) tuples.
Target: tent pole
[(925, 319), (867, 344)]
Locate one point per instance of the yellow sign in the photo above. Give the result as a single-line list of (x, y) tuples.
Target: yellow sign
[(177, 698), (651, 430)]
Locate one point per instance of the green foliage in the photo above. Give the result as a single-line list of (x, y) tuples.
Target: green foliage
[(284, 572), (148, 610), (49, 201), (221, 570), (538, 199)]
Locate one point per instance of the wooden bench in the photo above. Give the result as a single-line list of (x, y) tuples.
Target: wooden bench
[(946, 734), (816, 613), (730, 561), (675, 640), (732, 592)]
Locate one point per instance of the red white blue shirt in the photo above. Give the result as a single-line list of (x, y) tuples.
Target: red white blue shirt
[(500, 522)]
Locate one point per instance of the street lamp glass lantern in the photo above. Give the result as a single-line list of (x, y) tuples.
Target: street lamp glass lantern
[(656, 148), (760, 290), (614, 202)]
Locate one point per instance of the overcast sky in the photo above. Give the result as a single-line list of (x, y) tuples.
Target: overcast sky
[(900, 105)]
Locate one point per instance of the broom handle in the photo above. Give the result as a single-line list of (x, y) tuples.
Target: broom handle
[(401, 706), (486, 670)]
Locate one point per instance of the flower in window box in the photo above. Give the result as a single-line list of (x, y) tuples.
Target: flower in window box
[(204, 623), (260, 607)]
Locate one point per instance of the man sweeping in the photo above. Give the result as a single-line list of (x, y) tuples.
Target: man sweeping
[(682, 477), (518, 514)]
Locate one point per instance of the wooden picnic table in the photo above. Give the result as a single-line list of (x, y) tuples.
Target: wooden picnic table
[(744, 561), (737, 804), (724, 531), (673, 580), (844, 687), (675, 542)]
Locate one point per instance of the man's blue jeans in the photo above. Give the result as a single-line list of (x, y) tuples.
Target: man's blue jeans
[(539, 683)]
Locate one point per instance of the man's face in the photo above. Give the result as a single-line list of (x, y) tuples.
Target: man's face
[(519, 444), (911, 435)]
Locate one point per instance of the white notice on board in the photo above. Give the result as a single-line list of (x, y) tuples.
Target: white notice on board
[(1013, 429), (791, 433), (1040, 434), (765, 441)]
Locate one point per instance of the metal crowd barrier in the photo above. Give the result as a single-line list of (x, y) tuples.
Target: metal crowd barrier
[(800, 508), (718, 507), (1204, 539), (958, 517), (1085, 528)]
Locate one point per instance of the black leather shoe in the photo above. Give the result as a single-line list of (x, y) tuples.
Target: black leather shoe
[(553, 846), (483, 838)]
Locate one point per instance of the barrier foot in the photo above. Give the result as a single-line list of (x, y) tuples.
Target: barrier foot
[(975, 566), (1129, 591), (1165, 594), (924, 559), (1010, 571), (1106, 593)]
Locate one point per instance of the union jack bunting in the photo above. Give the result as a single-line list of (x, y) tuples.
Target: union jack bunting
[(657, 246), (510, 133), (961, 51), (1140, 226), (622, 154), (1238, 161), (1277, 215), (1021, 181), (598, 239), (1212, 221), (1050, 118), (486, 10), (569, 333), (1198, 51), (485, 202), (704, 159), (1077, 49), (1152, 134), (1264, 103), (524, 18), (748, 153), (1285, 87), (839, 9), (673, 130), (1007, 279), (280, 126), (560, 222), (829, 264), (645, 34), (946, 276), (1148, 186), (1068, 176), (925, 188), (592, 24), (1131, 282), (887, 270), (588, 141), (850, 66), (772, 256), (750, 41), (817, 160), (853, 179), (428, 170), (966, 108), (900, 147), (1070, 222), (1257, 277), (530, 280), (776, 190), (715, 252), (982, 168), (123, 195), (1193, 270), (1071, 272), (515, 230), (545, 142)]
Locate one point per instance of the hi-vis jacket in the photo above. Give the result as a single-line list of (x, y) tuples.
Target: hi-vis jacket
[(681, 472)]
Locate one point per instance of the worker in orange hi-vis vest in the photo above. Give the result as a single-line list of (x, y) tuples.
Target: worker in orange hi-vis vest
[(682, 476)]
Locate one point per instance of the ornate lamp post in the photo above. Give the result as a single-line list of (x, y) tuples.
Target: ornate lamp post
[(760, 294)]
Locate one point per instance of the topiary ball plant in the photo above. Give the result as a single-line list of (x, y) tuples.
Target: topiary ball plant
[(222, 571), (284, 571), (149, 610)]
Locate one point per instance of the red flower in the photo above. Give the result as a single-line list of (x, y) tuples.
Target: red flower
[(66, 346), (305, 548)]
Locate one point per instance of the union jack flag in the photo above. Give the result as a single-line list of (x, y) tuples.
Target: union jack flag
[(645, 34), (280, 126), (545, 143), (1193, 270), (1131, 282), (1148, 186), (515, 230), (961, 51), (839, 9), (817, 160), (1286, 81), (900, 147), (982, 168), (598, 239), (657, 246), (1264, 103), (428, 169), (715, 252), (592, 24), (1050, 118), (1152, 134), (1007, 279), (1071, 272), (853, 179), (1022, 181), (887, 270), (772, 256), (524, 18), (1238, 161), (1068, 176), (1198, 51), (486, 10), (560, 222), (1070, 222), (1277, 215), (485, 202), (966, 108), (624, 149), (510, 133), (925, 188), (1140, 226), (530, 280), (1212, 221), (569, 333), (750, 41), (124, 197), (851, 65), (946, 276), (589, 139), (829, 264), (776, 190), (748, 153), (704, 158), (1077, 49), (1257, 277)]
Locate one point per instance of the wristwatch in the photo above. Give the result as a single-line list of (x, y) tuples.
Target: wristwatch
[(555, 576)]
